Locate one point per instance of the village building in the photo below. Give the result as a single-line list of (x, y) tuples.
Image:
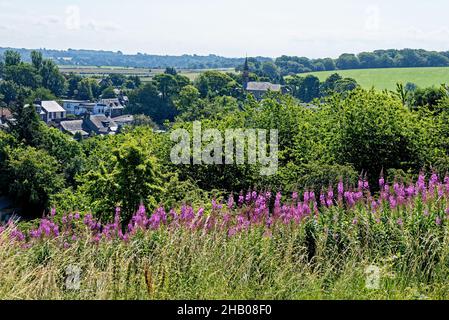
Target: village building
[(259, 89), (124, 120), (74, 127), (100, 124), (50, 111), (79, 107)]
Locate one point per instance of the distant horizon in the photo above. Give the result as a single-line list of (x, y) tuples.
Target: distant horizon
[(212, 53)]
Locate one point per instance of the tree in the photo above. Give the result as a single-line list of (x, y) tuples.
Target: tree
[(146, 100), (134, 178), (33, 176), (37, 59), (328, 85), (23, 75), (108, 93), (72, 85), (368, 60), (215, 83), (271, 71), (329, 64), (12, 58), (41, 94), (84, 90), (10, 91), (188, 99), (52, 79), (167, 85), (27, 126), (171, 71), (348, 61)]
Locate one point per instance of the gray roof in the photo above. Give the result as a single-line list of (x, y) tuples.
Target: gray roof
[(103, 123), (73, 126), (263, 86), (124, 118), (52, 106)]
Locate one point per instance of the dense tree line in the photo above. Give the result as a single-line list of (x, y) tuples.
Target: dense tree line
[(366, 60), (140, 60)]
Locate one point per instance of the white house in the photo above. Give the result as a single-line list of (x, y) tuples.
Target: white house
[(50, 111), (79, 107)]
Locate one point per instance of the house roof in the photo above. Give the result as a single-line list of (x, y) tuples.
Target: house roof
[(124, 118), (102, 123), (73, 127), (52, 106), (75, 101), (263, 86)]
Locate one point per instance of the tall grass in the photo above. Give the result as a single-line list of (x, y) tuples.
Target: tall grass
[(259, 248)]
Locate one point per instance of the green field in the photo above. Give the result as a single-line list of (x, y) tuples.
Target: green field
[(388, 78), (145, 73)]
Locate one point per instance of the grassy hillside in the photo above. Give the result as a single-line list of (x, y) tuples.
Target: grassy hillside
[(387, 78)]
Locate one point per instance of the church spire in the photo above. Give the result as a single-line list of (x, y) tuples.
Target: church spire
[(245, 73)]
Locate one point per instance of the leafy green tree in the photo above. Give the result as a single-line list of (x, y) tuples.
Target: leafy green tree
[(11, 91), (171, 71), (328, 86), (146, 100), (72, 85), (52, 79), (108, 93), (23, 75), (167, 85), (33, 176), (373, 131), (215, 83), (37, 59), (27, 127), (84, 90), (135, 178), (348, 61), (12, 58), (42, 94)]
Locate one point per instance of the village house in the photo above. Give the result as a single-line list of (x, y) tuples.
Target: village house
[(100, 124), (259, 89), (108, 107), (50, 111), (79, 107), (74, 127), (113, 107), (124, 120)]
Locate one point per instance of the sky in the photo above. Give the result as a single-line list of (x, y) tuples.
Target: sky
[(231, 28)]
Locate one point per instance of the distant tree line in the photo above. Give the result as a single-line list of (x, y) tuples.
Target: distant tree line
[(140, 60), (406, 58)]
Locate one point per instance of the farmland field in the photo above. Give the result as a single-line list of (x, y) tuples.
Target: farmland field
[(387, 78), (145, 73)]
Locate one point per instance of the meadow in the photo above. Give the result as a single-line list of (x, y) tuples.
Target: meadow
[(146, 74), (257, 245), (388, 78)]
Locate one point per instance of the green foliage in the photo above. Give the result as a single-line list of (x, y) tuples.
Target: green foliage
[(373, 131), (33, 177), (126, 176), (146, 100)]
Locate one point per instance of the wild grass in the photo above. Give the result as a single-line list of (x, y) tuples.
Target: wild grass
[(278, 253)]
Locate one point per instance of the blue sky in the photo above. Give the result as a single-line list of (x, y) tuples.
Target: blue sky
[(317, 28)]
